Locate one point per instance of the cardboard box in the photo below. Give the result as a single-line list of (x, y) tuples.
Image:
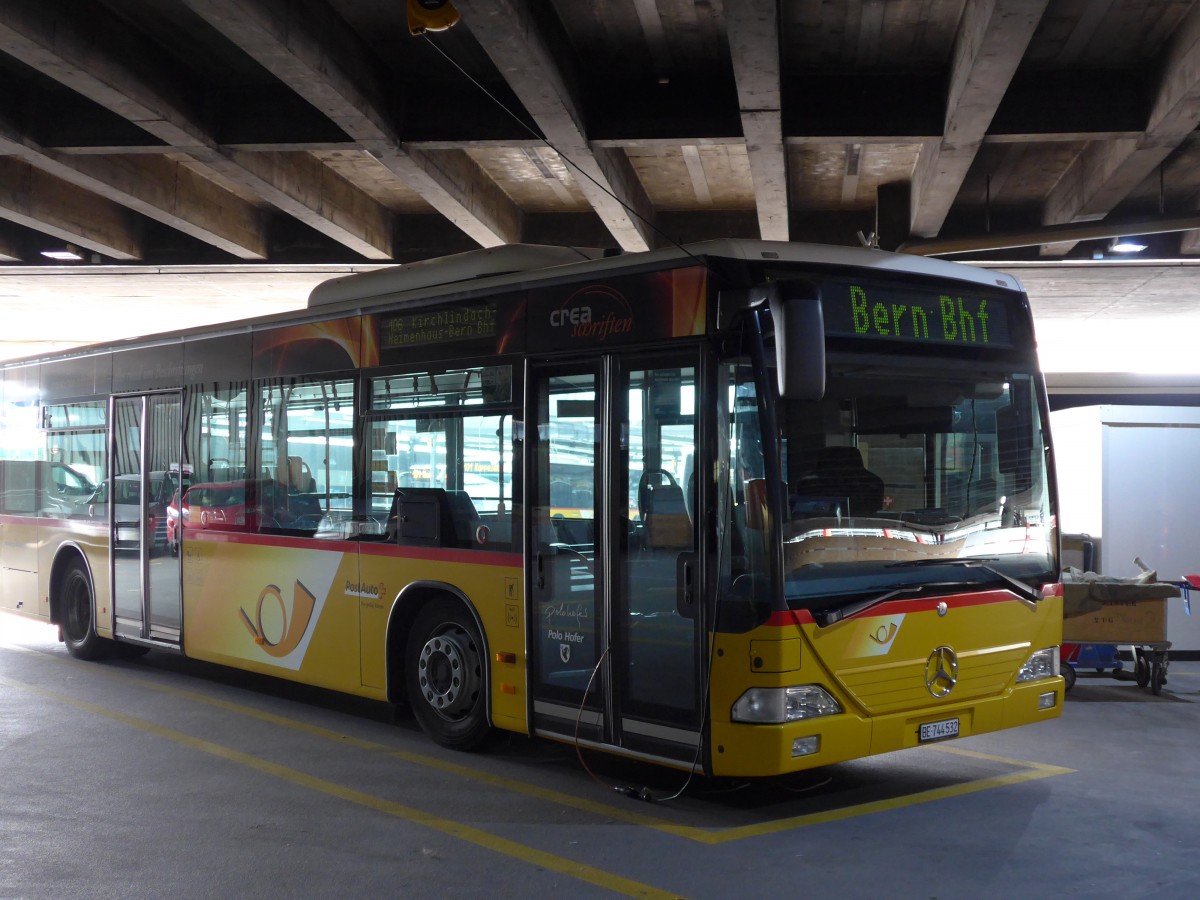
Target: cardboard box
[(1127, 619)]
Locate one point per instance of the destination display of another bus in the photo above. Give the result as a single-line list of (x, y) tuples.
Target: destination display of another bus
[(923, 468)]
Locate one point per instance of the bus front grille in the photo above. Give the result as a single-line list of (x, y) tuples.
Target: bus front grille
[(899, 685)]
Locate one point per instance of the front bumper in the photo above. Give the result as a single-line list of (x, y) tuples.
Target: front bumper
[(740, 750)]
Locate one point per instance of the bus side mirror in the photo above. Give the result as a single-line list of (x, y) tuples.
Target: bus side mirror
[(799, 339)]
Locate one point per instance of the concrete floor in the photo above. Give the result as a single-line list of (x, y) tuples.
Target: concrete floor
[(158, 777)]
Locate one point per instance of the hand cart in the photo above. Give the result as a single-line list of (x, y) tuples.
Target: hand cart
[(1109, 615)]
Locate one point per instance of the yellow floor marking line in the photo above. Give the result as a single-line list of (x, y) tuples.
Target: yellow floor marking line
[(991, 757), (1032, 772), (480, 838), (1028, 771)]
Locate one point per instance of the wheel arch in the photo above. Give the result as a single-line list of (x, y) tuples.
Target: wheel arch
[(69, 552), (405, 608)]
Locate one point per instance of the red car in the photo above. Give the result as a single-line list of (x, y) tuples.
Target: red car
[(220, 505), (239, 506)]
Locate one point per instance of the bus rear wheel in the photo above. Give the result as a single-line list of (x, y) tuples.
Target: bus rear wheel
[(78, 618), (445, 666)]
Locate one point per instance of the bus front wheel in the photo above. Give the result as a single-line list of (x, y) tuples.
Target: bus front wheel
[(445, 666), (78, 617)]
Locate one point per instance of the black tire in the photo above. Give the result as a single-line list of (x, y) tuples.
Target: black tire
[(445, 673), (1068, 674), (78, 614), (1158, 677), (1142, 671)]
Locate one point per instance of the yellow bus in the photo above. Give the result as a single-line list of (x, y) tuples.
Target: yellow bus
[(739, 508)]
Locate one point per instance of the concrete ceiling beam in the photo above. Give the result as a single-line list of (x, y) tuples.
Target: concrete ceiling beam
[(158, 187), (753, 30), (1105, 173), (312, 51), (73, 52), (992, 38), (510, 34), (30, 197)]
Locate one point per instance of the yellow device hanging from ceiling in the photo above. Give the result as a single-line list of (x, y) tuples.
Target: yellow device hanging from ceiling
[(430, 15)]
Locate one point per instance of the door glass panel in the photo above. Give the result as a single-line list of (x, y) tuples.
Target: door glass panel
[(146, 474), (567, 627), (163, 477), (659, 559), (124, 511)]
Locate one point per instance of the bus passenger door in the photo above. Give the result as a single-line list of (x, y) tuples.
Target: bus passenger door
[(614, 574), (146, 452), (656, 568), (566, 549)]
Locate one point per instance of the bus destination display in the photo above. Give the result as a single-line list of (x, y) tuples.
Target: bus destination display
[(883, 311), (437, 326)]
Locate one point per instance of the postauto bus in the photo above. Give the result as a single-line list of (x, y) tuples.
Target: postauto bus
[(739, 508)]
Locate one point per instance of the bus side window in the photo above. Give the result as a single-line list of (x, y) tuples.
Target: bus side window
[(451, 431)]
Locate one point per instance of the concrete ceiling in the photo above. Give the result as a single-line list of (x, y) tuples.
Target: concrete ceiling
[(153, 134)]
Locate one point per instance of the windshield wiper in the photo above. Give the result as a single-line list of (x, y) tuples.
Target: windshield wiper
[(1020, 587), (829, 616), (1025, 592)]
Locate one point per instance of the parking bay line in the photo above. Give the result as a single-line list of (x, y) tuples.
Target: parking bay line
[(479, 837), (1029, 771)]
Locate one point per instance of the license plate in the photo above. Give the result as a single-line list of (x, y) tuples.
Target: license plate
[(939, 731)]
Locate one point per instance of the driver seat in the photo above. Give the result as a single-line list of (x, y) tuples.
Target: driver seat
[(840, 473)]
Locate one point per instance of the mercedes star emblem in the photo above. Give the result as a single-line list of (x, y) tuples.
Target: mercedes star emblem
[(941, 671)]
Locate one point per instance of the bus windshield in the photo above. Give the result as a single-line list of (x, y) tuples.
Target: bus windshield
[(907, 466)]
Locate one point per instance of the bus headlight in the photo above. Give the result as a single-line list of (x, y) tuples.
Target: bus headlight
[(777, 705), (1043, 664)]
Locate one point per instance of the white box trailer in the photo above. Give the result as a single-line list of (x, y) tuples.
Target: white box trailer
[(1129, 476)]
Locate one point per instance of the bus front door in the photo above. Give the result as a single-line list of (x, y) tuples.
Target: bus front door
[(146, 452), (614, 575)]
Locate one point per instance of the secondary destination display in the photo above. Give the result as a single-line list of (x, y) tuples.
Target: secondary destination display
[(886, 311), (437, 326)]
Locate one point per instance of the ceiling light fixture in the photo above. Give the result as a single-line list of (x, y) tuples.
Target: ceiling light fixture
[(1127, 245), (69, 253)]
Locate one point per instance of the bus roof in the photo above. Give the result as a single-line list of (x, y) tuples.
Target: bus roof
[(514, 263), (513, 266)]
